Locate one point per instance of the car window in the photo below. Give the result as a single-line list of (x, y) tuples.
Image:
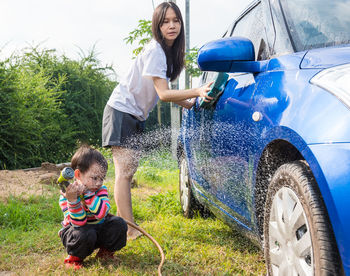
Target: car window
[(211, 76), (282, 44), (252, 26), (228, 31), (269, 27), (208, 76), (316, 23)]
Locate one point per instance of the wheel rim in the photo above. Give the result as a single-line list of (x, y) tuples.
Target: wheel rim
[(184, 185), (289, 236)]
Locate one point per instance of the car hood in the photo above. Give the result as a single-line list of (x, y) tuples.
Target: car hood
[(326, 57)]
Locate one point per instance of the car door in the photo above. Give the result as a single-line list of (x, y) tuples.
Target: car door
[(198, 122), (231, 132)]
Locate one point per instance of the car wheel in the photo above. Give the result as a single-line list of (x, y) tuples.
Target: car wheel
[(188, 202), (298, 237)]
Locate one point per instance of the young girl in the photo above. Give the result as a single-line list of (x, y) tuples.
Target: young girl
[(85, 205), (136, 95)]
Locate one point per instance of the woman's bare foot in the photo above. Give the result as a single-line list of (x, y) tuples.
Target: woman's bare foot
[(133, 234)]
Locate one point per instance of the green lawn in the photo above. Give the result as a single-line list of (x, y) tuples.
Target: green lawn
[(30, 245)]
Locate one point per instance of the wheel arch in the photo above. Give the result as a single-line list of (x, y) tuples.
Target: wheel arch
[(275, 154)]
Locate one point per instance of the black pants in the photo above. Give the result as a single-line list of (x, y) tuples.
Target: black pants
[(82, 241)]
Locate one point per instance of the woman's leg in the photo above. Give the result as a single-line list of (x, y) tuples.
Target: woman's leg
[(126, 162)]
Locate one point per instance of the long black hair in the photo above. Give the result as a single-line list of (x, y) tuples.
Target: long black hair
[(176, 53)]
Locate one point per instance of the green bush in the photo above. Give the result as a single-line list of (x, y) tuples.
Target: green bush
[(31, 118), (87, 88), (48, 104)]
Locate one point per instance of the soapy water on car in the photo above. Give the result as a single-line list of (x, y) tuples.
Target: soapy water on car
[(227, 166), (224, 173), (216, 156)]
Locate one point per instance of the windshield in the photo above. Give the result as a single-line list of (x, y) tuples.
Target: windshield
[(317, 23)]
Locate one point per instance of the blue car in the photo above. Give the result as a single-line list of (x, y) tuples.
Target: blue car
[(270, 155)]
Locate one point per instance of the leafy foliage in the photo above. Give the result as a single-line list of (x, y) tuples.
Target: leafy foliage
[(47, 104), (142, 34), (191, 63)]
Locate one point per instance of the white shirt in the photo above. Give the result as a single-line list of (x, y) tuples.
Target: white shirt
[(135, 94)]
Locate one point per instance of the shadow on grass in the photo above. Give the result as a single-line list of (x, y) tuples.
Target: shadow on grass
[(223, 235), (140, 263)]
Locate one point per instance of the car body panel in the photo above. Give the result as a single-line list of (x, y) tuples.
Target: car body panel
[(292, 110), (224, 146), (331, 167), (326, 57)]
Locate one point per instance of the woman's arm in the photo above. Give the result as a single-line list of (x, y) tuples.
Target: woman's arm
[(170, 95)]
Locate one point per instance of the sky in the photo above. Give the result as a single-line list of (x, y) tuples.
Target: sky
[(72, 26)]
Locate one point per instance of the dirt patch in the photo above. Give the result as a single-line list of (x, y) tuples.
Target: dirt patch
[(143, 192), (35, 181), (29, 181)]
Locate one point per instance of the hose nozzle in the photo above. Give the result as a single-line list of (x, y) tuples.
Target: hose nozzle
[(65, 175)]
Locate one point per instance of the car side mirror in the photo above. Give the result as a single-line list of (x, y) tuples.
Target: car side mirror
[(231, 54)]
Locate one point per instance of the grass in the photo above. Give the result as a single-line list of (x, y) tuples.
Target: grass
[(30, 245)]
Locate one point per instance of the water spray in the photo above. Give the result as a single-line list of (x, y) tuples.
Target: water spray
[(67, 174)]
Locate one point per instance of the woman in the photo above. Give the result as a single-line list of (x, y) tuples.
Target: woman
[(136, 95)]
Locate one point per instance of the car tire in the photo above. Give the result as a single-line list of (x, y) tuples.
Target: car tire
[(298, 236), (188, 203)]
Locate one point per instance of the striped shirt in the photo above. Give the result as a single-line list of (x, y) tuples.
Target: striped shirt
[(89, 208)]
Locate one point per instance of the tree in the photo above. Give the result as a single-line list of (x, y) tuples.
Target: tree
[(191, 64), (142, 34)]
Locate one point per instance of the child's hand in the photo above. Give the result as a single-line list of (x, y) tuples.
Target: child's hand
[(80, 188), (73, 191)]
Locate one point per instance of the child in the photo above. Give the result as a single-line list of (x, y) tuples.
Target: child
[(85, 205)]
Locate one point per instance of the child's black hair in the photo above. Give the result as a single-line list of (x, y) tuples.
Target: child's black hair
[(86, 156)]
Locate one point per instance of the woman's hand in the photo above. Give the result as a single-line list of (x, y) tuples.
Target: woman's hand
[(203, 91), (187, 103), (190, 103), (169, 95)]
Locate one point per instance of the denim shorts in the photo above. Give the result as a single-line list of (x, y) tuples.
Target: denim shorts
[(121, 129)]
